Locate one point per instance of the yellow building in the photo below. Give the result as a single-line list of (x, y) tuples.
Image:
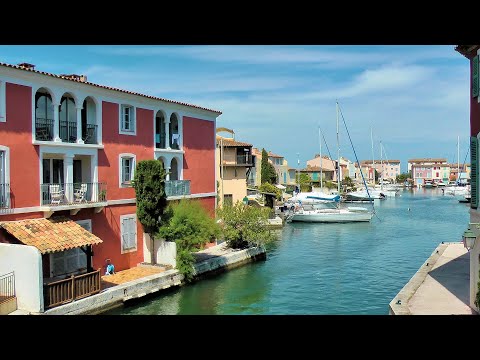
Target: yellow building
[(234, 161)]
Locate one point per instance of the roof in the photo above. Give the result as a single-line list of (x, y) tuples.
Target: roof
[(379, 161), (229, 142), (314, 168), (466, 50), (50, 235), (106, 87), (270, 154), (427, 160)]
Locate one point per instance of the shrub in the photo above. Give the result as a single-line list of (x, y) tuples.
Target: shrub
[(191, 227), (243, 225)]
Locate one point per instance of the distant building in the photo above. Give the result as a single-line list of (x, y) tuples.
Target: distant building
[(387, 170), (234, 161), (428, 169), (328, 168)]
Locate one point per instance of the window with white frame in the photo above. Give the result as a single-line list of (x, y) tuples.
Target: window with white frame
[(127, 120), (3, 112), (128, 225), (127, 169)]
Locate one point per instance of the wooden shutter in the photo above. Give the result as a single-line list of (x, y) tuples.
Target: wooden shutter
[(474, 171), (125, 234), (132, 233), (475, 77)]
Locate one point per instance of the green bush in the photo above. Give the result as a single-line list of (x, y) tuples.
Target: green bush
[(191, 227), (272, 189), (243, 225)]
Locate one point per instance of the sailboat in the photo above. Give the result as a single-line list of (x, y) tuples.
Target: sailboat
[(458, 189), (331, 212)]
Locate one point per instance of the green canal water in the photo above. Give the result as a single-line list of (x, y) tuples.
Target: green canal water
[(354, 268)]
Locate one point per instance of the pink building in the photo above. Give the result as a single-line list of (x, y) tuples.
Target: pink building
[(68, 148)]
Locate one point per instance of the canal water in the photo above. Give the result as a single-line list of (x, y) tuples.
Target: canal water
[(355, 268)]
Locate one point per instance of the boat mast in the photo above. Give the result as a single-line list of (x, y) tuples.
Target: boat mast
[(458, 160), (321, 169), (373, 156), (338, 155), (381, 166)]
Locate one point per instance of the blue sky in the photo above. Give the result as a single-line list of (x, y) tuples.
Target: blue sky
[(415, 98)]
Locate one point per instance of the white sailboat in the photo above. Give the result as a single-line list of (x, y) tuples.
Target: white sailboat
[(458, 190), (331, 211)]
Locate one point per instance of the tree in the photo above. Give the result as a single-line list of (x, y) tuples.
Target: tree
[(242, 225), (149, 185), (305, 182), (268, 173), (402, 177), (190, 226)]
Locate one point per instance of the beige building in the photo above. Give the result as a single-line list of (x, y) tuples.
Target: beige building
[(328, 168), (234, 161), (285, 175), (281, 168)]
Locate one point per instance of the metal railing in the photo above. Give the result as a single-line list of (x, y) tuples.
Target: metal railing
[(177, 187), (73, 288), (7, 286), (68, 131), (43, 129), (90, 135), (4, 196), (73, 193), (244, 160)]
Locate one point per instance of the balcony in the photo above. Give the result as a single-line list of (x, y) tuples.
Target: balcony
[(73, 196), (90, 135), (238, 160), (177, 187), (43, 129), (71, 289), (68, 131)]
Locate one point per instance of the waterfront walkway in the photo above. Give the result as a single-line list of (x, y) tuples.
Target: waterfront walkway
[(440, 287)]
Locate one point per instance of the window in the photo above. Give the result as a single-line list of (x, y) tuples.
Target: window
[(127, 120), (228, 199), (127, 165), (3, 112), (128, 233), (4, 177), (437, 174), (68, 262)]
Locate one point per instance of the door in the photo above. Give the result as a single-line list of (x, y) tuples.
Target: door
[(71, 261)]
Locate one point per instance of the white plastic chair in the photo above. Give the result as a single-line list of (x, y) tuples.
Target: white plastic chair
[(79, 194), (56, 194)]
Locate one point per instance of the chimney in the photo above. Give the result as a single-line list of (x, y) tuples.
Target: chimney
[(83, 78), (27, 66)]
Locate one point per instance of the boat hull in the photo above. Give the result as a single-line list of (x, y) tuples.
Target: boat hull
[(332, 217)]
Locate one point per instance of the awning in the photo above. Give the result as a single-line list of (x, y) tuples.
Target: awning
[(50, 235)]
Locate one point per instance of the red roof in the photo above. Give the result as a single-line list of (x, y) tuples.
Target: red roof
[(106, 87)]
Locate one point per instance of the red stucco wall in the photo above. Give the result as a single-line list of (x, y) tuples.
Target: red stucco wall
[(199, 157), (141, 145), (16, 134)]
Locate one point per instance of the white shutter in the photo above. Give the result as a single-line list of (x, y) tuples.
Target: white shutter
[(132, 119), (132, 233), (125, 234)]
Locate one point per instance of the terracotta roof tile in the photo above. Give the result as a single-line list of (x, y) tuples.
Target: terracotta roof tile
[(228, 142), (106, 87), (427, 160), (50, 235), (270, 154)]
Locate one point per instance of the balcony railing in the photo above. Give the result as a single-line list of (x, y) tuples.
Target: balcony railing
[(70, 289), (244, 159), (68, 131), (90, 135), (177, 187), (73, 193), (7, 287), (43, 129), (4, 196)]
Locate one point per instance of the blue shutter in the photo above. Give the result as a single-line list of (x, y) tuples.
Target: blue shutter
[(475, 77), (474, 171)]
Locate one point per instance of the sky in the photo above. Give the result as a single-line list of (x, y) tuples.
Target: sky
[(412, 99)]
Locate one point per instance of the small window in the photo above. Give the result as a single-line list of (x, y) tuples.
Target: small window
[(127, 120), (127, 165), (128, 233), (3, 112), (228, 199)]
